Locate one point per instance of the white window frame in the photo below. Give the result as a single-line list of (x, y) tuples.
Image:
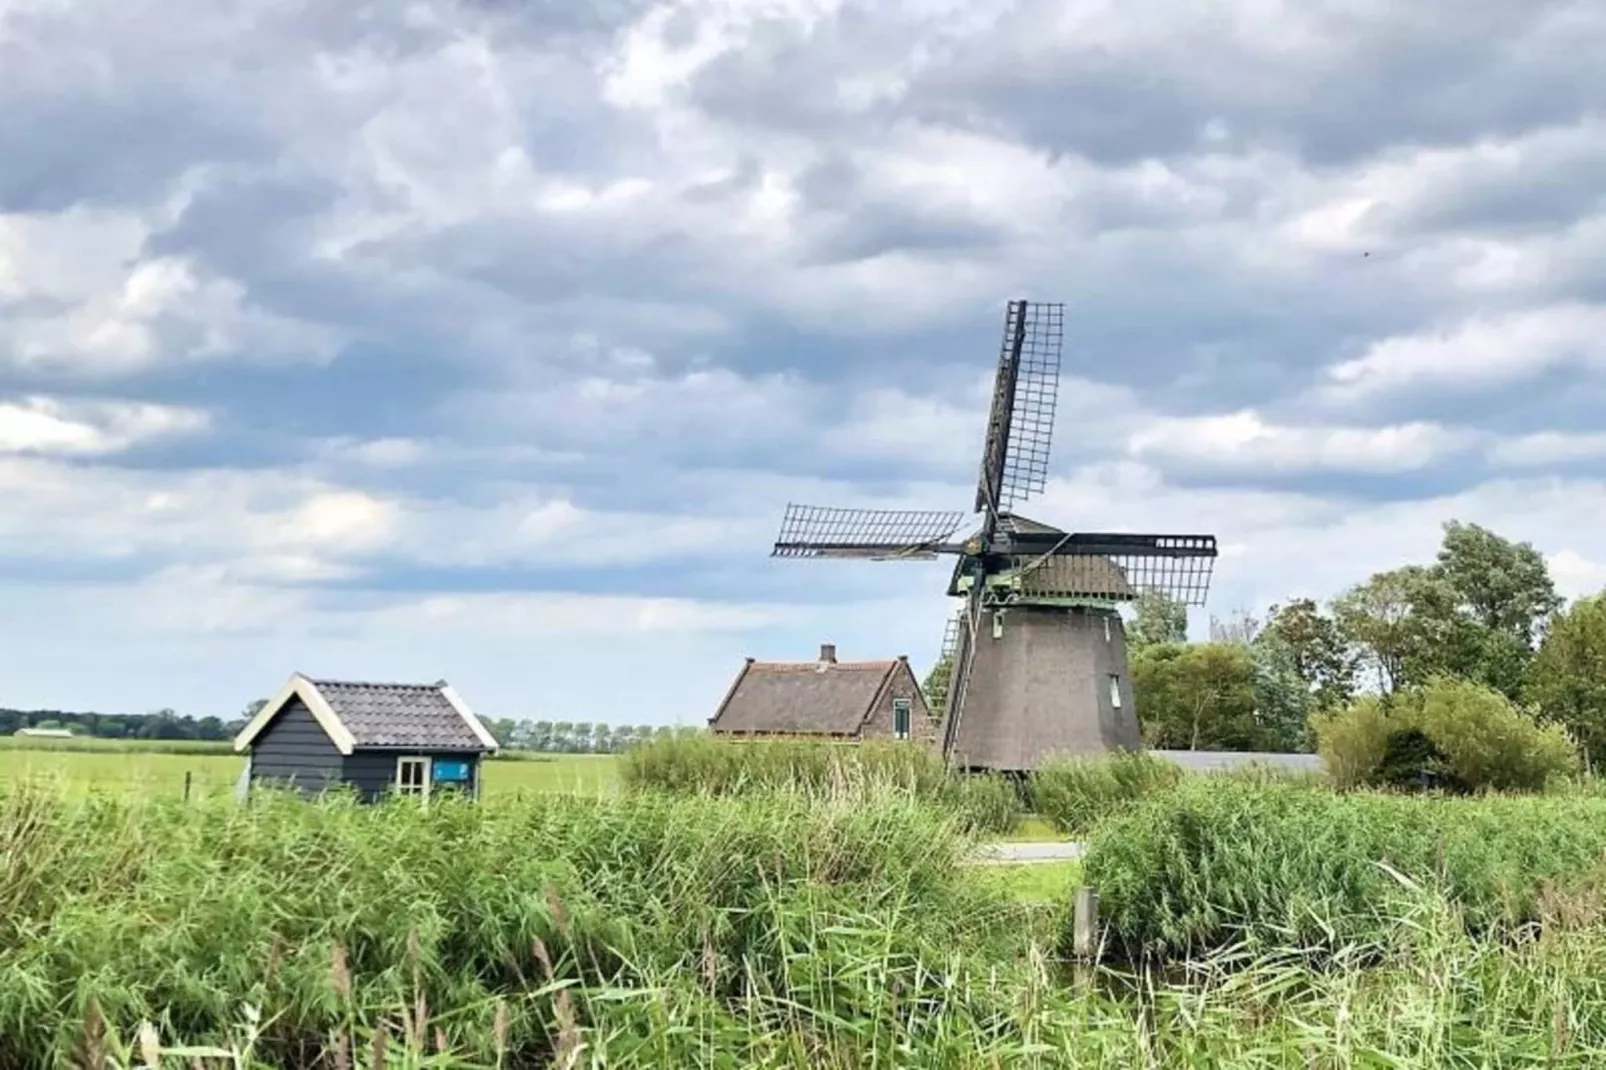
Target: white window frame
[(908, 718), (425, 765), (1115, 691)]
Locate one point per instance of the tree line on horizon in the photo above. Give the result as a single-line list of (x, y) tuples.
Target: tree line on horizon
[(1485, 610), (557, 737)]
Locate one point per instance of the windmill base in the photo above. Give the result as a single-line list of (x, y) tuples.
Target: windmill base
[(1045, 683)]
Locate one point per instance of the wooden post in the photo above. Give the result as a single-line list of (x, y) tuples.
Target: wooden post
[(186, 785), (1085, 933)]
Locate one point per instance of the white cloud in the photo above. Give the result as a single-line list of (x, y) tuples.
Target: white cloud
[(546, 614), (85, 301), (40, 425), (1576, 575), (1245, 442), (1478, 353), (1545, 448)]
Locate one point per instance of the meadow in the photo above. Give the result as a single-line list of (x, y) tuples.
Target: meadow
[(154, 770), (789, 906)]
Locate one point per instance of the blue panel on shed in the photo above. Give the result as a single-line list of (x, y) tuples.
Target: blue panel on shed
[(450, 770)]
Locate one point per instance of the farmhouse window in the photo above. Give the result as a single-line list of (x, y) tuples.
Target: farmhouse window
[(412, 776), (1115, 691), (900, 718)]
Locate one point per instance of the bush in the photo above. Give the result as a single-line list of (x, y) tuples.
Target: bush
[(1216, 861), (1487, 743), (1075, 794), (702, 765), (1353, 740), (1411, 762)]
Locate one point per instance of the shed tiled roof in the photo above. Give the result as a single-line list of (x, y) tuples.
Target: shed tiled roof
[(398, 715), (807, 698)]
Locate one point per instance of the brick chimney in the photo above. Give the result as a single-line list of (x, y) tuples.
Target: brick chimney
[(827, 655)]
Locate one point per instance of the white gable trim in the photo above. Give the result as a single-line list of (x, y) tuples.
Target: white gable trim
[(485, 737), (298, 686)]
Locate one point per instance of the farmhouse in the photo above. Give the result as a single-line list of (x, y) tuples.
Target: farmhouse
[(845, 701), (413, 739)]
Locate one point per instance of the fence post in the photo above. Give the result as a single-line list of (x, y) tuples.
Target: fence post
[(1085, 932), (186, 785)]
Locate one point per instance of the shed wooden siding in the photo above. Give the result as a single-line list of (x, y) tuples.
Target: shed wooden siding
[(373, 772), (901, 683), (295, 749)]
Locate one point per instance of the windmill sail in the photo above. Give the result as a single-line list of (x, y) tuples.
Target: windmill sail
[(1020, 423), (823, 531)]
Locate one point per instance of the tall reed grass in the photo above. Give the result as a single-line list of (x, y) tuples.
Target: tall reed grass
[(705, 766), (468, 922), (654, 931), (1214, 862), (1076, 794)]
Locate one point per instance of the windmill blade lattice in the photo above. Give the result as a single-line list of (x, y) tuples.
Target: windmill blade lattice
[(1037, 381), (823, 531), (1020, 422)]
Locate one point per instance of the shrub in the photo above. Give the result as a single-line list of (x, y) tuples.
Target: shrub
[(1411, 762), (1075, 794), (1487, 743), (1216, 861), (1353, 740)]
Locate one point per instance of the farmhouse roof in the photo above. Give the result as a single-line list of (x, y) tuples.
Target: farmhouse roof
[(824, 697), (379, 716)]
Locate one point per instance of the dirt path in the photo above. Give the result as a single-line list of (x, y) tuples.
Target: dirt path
[(1015, 854)]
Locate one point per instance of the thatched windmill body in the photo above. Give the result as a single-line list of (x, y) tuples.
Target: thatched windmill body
[(1037, 655)]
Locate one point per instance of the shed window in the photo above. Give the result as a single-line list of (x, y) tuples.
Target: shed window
[(1115, 691), (412, 776), (900, 718)]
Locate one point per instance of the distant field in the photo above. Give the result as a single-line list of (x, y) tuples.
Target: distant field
[(132, 768)]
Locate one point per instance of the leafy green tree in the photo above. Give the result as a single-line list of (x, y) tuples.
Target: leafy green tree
[(1159, 619), (1321, 657), (1473, 614), (1566, 681), (1376, 618), (935, 686), (1505, 585), (1197, 696), (1284, 700)]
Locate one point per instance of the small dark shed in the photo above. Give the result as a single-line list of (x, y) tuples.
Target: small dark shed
[(413, 739), (844, 701)]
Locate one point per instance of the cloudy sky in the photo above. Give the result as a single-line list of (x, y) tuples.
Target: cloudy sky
[(489, 340)]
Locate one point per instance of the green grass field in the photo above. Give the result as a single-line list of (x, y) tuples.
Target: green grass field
[(1038, 882), (139, 770), (119, 766)]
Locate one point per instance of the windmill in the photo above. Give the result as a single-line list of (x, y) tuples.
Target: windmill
[(1037, 654)]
